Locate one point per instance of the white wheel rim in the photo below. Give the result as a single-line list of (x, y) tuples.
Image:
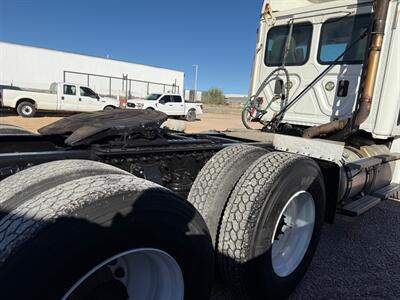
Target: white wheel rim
[(291, 240), (27, 110), (148, 274)]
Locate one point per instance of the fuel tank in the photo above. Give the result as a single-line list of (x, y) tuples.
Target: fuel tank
[(359, 175)]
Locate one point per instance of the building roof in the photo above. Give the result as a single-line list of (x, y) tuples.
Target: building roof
[(87, 55)]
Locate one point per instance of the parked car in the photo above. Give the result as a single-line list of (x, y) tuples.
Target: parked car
[(62, 96), (171, 104)]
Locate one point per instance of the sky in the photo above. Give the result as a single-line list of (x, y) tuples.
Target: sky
[(218, 35)]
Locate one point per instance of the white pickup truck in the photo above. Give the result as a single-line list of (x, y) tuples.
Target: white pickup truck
[(65, 97), (171, 104)]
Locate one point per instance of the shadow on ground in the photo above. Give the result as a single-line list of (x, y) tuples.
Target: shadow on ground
[(5, 112), (357, 258)]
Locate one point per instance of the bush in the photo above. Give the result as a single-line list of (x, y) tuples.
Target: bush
[(214, 96)]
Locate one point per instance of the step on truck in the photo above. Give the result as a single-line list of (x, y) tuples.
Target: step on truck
[(109, 204), (61, 97)]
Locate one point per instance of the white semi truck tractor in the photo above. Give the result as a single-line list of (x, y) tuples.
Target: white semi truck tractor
[(325, 88), (112, 205)]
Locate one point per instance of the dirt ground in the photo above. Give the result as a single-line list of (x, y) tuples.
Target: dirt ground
[(209, 121)]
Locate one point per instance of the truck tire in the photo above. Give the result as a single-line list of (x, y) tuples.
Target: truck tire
[(216, 180), (30, 182), (26, 109), (105, 237), (109, 108), (263, 252), (191, 115), (13, 130)]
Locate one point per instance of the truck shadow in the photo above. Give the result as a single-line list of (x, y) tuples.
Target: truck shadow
[(5, 112), (357, 258)]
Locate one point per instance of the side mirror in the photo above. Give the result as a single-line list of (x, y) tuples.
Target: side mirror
[(97, 97), (161, 101)]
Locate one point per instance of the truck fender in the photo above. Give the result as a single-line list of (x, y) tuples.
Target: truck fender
[(23, 99)]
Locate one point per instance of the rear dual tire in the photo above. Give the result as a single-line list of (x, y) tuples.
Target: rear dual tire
[(263, 221), (40, 178), (216, 180), (68, 231), (247, 220)]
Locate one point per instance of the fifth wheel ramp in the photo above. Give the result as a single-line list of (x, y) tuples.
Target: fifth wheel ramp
[(85, 128)]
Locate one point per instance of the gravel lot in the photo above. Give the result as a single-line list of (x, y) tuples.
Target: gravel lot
[(209, 121), (358, 258)]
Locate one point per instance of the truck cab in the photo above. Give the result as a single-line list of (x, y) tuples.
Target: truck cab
[(320, 32)]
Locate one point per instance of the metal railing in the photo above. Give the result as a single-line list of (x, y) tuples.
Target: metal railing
[(116, 85)]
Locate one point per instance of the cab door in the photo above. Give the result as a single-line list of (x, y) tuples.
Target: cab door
[(69, 98), (338, 91), (318, 38), (165, 105), (89, 100), (177, 106)]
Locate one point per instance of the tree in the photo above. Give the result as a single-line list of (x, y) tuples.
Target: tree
[(214, 96)]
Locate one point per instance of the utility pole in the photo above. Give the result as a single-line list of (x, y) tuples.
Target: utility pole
[(195, 79)]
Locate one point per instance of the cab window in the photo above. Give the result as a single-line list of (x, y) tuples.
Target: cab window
[(54, 88), (338, 34), (86, 92), (166, 99), (177, 99), (299, 49), (69, 89)]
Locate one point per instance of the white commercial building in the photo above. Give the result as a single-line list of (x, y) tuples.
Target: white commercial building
[(34, 67)]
